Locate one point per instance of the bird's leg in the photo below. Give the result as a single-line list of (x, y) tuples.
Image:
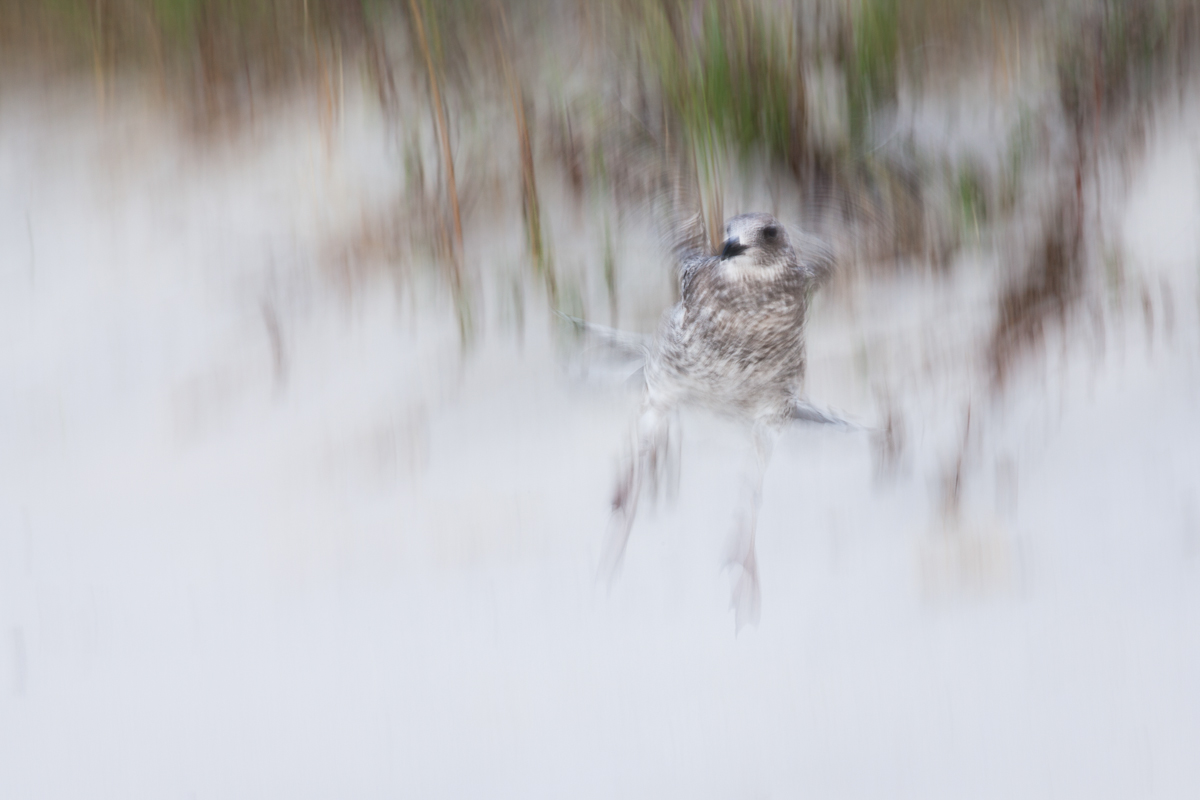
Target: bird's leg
[(673, 454), (648, 458), (662, 454), (746, 595)]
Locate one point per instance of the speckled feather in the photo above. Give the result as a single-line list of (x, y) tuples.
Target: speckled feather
[(734, 344), (735, 341)]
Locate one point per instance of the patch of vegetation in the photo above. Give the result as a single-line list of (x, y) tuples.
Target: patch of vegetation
[(870, 67), (1045, 294), (1121, 54), (971, 194), (221, 47), (1020, 145), (730, 72)]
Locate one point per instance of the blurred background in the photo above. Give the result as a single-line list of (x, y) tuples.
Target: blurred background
[(303, 484)]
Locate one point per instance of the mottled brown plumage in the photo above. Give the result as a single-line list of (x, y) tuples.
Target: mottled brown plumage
[(735, 341), (733, 344)]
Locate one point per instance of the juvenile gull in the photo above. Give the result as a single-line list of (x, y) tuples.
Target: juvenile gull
[(734, 344)]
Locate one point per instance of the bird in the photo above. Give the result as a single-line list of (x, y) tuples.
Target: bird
[(734, 344)]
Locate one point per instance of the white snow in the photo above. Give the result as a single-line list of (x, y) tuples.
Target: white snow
[(370, 571)]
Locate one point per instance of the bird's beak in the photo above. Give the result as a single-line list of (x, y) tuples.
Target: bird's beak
[(733, 247)]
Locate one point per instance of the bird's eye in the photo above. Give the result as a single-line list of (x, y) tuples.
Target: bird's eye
[(770, 233)]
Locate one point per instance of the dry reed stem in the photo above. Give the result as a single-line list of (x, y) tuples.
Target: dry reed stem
[(530, 204), (98, 56), (324, 93), (447, 156)]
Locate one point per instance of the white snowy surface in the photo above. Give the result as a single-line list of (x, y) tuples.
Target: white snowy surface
[(370, 571)]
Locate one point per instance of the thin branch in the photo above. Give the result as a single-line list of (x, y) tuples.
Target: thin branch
[(447, 156)]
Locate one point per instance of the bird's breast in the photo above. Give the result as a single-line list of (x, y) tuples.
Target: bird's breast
[(736, 356)]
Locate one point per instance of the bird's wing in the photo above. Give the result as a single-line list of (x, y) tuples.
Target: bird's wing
[(634, 345), (687, 243), (814, 257), (804, 411), (681, 226)]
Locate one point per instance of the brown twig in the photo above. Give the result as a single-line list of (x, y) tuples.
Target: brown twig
[(530, 205), (447, 157)]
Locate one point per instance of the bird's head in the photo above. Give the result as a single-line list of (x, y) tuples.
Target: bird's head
[(755, 239)]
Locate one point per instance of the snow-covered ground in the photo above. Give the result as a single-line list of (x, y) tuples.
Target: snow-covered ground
[(263, 538)]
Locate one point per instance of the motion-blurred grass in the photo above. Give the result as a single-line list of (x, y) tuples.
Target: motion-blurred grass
[(731, 71), (616, 91)]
